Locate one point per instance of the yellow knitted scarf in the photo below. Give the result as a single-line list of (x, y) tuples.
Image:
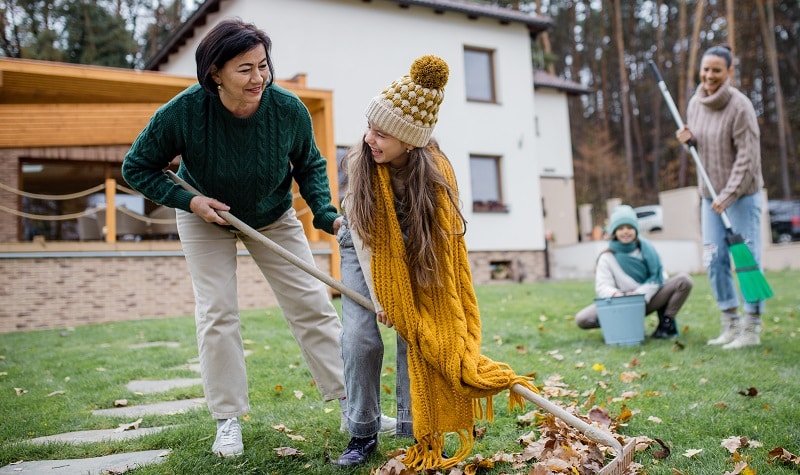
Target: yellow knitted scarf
[(449, 376)]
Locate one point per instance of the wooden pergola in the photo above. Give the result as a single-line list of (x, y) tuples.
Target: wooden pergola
[(48, 105)]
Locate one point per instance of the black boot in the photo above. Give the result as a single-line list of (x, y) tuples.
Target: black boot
[(358, 450), (667, 327)]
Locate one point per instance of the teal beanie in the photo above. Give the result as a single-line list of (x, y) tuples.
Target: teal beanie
[(623, 214)]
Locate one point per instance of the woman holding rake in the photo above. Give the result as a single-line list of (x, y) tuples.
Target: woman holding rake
[(721, 122)]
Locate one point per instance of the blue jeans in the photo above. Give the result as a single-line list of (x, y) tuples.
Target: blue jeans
[(362, 352), (745, 217)]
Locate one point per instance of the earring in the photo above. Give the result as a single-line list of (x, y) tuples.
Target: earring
[(219, 87)]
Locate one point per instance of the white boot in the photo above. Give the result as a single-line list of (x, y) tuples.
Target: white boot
[(748, 336), (731, 327)]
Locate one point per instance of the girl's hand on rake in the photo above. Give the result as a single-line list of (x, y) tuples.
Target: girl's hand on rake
[(207, 208), (383, 318)]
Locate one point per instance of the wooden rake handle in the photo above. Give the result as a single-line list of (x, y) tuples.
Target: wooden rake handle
[(676, 116), (593, 432), (277, 249)]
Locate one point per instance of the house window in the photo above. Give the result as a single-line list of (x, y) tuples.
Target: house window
[(479, 75), (486, 189)]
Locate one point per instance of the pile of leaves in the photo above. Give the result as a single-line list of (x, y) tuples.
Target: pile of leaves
[(551, 446)]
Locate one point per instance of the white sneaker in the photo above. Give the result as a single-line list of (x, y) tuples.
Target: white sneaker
[(228, 442), (388, 425)]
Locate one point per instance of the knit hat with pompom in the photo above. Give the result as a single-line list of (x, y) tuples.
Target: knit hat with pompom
[(408, 109)]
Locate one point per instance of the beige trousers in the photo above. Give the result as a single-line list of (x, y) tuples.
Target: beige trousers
[(211, 256)]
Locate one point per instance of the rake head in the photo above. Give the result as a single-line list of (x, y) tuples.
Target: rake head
[(619, 465)]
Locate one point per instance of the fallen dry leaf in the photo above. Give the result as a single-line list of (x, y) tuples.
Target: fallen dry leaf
[(734, 443), (779, 453), (56, 393), (129, 426), (751, 392), (664, 452), (628, 376), (692, 452), (655, 419), (741, 469), (120, 403), (20, 391), (298, 438), (287, 452), (298, 394)]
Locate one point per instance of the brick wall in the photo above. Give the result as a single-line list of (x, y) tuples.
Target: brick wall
[(58, 292), (55, 292)]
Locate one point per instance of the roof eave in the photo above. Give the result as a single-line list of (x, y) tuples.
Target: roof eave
[(535, 23)]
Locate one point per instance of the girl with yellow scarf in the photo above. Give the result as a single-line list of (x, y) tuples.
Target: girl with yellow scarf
[(402, 244)]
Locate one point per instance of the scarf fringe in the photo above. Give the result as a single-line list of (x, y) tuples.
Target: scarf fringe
[(427, 453)]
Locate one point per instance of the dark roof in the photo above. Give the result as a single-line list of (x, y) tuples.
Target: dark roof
[(535, 23), (545, 79)]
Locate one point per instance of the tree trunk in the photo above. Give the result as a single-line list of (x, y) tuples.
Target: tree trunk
[(731, 19), (691, 64), (656, 104), (768, 28), (624, 93)]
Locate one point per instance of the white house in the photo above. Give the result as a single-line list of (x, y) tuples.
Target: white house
[(554, 147), (487, 122)]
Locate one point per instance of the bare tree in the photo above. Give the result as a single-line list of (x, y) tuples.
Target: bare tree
[(624, 96), (768, 27)]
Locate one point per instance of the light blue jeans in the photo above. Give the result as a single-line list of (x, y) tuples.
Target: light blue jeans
[(745, 217), (362, 352)]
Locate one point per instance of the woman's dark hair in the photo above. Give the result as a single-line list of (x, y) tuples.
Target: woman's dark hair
[(228, 39), (723, 51)]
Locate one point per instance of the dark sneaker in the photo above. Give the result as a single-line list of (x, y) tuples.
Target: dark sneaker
[(358, 450), (667, 328)]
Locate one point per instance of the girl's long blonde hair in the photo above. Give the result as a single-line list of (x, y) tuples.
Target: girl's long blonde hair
[(425, 231)]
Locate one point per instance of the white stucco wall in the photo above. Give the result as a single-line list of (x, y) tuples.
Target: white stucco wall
[(355, 49), (553, 133)]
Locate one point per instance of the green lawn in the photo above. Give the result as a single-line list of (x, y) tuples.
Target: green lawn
[(687, 394)]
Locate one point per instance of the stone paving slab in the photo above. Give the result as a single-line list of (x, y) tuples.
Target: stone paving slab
[(150, 387), (117, 463), (153, 344), (81, 436), (166, 408)]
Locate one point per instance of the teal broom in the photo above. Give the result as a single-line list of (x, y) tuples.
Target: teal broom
[(753, 284)]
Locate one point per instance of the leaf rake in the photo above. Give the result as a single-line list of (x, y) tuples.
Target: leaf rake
[(624, 455)]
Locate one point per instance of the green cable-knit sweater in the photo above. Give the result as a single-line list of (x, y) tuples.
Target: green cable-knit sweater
[(247, 164)]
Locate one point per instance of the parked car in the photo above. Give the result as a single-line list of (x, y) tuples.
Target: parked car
[(651, 218), (784, 220)]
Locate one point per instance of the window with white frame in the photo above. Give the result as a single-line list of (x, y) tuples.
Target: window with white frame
[(486, 186), (479, 74)]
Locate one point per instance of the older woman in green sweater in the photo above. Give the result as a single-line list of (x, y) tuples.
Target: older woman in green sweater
[(242, 140), (721, 121)]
